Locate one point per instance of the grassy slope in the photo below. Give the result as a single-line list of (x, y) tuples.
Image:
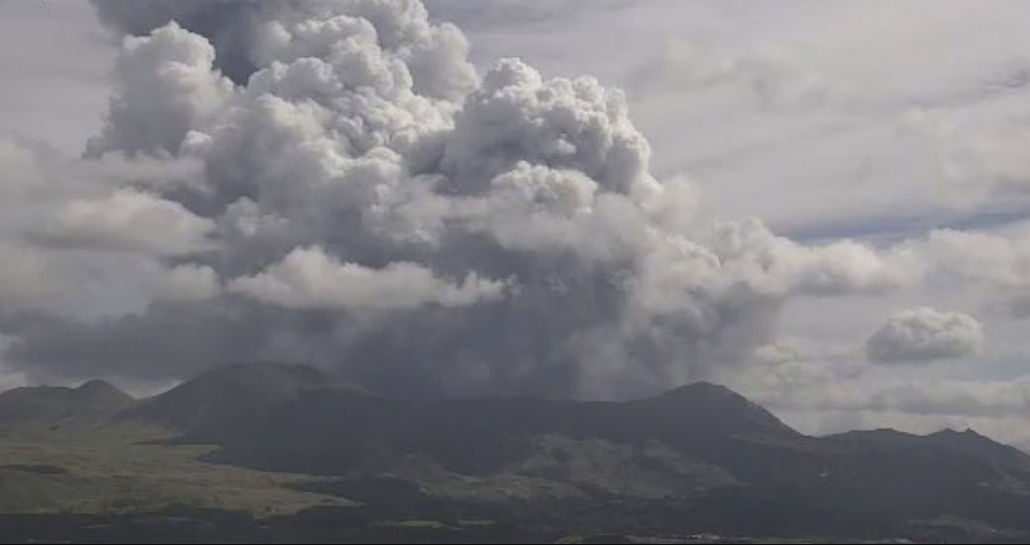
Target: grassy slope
[(114, 470), (562, 468)]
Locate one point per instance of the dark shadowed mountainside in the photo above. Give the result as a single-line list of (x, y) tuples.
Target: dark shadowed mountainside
[(53, 406), (699, 458), (701, 454), (232, 393)]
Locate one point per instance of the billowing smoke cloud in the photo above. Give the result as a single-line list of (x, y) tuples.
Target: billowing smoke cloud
[(369, 203), (925, 335), (249, 34), (167, 88)]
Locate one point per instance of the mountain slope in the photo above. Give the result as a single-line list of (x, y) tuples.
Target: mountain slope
[(699, 451), (483, 436), (699, 458), (885, 473), (229, 394), (50, 406)]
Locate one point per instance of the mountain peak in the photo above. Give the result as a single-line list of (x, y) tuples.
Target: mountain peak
[(232, 391), (717, 408), (50, 405), (968, 443), (703, 388), (968, 433), (973, 443), (709, 395), (101, 389)]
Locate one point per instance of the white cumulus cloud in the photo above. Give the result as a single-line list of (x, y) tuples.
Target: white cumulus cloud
[(924, 335), (307, 278)]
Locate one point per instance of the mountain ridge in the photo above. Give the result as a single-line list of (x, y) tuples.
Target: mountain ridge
[(289, 380), (699, 457), (94, 400)]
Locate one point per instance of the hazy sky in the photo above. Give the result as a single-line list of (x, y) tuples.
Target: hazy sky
[(832, 216)]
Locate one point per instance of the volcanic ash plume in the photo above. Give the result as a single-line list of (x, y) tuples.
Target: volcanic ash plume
[(377, 207)]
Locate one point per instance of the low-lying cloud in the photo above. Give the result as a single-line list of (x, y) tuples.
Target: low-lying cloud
[(309, 279)]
